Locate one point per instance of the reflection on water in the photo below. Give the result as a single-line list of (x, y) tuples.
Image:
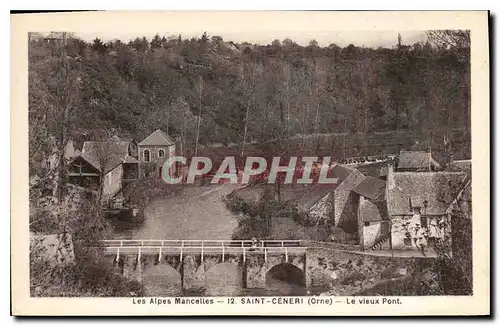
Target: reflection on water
[(194, 213), (274, 288)]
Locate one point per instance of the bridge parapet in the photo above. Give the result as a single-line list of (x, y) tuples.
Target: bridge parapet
[(203, 247)]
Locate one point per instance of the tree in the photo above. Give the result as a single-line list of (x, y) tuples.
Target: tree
[(217, 40), (313, 44), (450, 39), (249, 75), (199, 87), (98, 46), (156, 42)]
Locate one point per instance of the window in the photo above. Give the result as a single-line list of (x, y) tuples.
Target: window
[(367, 223), (423, 221), (161, 153), (146, 155)]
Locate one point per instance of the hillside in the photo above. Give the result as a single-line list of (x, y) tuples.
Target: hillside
[(252, 92)]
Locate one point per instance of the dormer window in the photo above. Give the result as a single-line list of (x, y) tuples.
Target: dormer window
[(146, 155), (161, 153)]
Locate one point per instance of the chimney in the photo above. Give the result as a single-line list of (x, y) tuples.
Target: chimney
[(390, 176)]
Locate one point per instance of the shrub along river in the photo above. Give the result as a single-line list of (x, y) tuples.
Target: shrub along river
[(199, 213)]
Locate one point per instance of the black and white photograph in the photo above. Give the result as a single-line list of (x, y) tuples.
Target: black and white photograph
[(287, 167)]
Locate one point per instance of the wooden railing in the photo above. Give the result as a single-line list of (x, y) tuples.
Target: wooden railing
[(203, 247)]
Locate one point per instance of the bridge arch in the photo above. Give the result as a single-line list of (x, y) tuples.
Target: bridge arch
[(287, 273), (161, 279)]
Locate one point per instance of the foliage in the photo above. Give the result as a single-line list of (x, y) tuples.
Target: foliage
[(250, 93), (91, 274), (256, 216)]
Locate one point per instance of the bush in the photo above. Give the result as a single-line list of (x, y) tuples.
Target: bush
[(91, 274)]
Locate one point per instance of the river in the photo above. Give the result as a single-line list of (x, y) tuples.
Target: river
[(195, 213)]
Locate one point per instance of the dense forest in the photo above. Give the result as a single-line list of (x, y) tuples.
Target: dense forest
[(210, 91)]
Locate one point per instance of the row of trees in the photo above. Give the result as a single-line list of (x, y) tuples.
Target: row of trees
[(205, 90)]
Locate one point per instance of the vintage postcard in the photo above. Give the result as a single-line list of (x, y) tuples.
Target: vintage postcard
[(250, 163)]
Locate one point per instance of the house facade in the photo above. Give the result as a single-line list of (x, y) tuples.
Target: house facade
[(419, 206), (344, 206), (104, 163), (154, 150), (373, 220)]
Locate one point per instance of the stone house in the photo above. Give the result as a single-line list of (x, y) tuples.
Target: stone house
[(417, 161), (373, 220), (154, 150), (420, 204), (107, 163), (317, 203), (333, 202)]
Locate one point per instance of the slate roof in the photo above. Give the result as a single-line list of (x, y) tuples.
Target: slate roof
[(157, 138), (372, 188), (341, 172), (89, 159), (439, 189), (415, 160), (315, 194), (115, 152), (462, 165)]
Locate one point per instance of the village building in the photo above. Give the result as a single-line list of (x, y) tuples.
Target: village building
[(420, 205), (154, 150), (417, 161), (333, 202), (106, 163), (373, 221)]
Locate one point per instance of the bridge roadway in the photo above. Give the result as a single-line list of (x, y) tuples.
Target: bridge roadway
[(203, 247)]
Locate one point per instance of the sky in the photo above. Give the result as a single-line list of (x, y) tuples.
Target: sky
[(341, 38)]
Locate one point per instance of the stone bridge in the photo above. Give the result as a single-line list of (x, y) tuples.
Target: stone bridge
[(172, 267), (191, 262)]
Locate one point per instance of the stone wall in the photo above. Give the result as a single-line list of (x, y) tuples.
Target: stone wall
[(405, 236), (372, 233), (399, 231), (346, 273)]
